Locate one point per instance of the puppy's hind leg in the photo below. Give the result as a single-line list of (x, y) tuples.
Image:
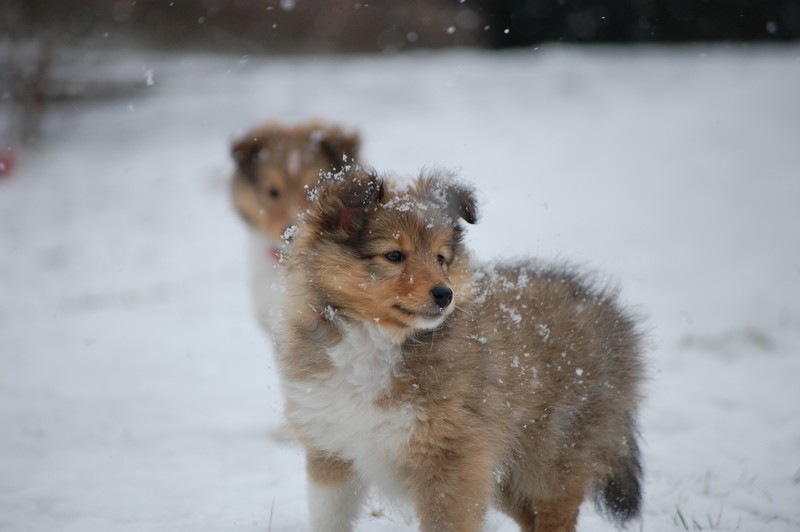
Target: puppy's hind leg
[(518, 507), (335, 493), (559, 515), (556, 512)]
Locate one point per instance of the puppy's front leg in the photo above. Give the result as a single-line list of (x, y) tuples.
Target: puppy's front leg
[(451, 490), (334, 493)]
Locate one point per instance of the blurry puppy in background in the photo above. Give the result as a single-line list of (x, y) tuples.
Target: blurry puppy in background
[(407, 366), (276, 165)]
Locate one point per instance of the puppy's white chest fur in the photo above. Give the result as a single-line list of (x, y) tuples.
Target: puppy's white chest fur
[(339, 411)]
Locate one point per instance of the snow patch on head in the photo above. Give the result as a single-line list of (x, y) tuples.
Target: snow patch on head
[(404, 203), (326, 178)]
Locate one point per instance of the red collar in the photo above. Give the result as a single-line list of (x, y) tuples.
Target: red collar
[(274, 254)]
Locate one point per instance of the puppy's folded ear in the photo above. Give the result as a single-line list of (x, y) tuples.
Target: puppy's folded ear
[(461, 201), (339, 147), (246, 151), (457, 199), (343, 200)]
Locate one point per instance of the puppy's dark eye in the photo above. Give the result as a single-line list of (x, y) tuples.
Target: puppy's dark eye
[(441, 260), (395, 256), (273, 193)]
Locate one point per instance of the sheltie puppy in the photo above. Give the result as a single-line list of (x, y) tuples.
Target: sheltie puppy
[(275, 166), (458, 385)]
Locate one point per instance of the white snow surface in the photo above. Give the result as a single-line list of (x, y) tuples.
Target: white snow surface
[(137, 392)]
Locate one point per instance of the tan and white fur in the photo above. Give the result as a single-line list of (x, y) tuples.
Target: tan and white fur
[(408, 367), (276, 164)]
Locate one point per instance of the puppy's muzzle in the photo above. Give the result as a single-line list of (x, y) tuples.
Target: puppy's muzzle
[(442, 296)]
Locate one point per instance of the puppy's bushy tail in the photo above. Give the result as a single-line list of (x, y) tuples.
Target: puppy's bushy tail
[(620, 492)]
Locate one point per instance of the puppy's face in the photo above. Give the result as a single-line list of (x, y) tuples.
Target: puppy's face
[(384, 255), (275, 167)]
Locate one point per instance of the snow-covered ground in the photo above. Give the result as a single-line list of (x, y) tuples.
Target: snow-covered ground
[(136, 391)]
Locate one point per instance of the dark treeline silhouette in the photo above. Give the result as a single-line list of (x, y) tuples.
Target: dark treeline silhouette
[(251, 26), (533, 21)]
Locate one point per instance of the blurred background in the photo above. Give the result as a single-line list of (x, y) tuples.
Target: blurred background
[(32, 32)]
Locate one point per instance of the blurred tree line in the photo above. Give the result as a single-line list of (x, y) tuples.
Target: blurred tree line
[(35, 73), (252, 26)]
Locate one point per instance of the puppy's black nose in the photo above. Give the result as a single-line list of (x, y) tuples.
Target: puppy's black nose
[(442, 296)]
